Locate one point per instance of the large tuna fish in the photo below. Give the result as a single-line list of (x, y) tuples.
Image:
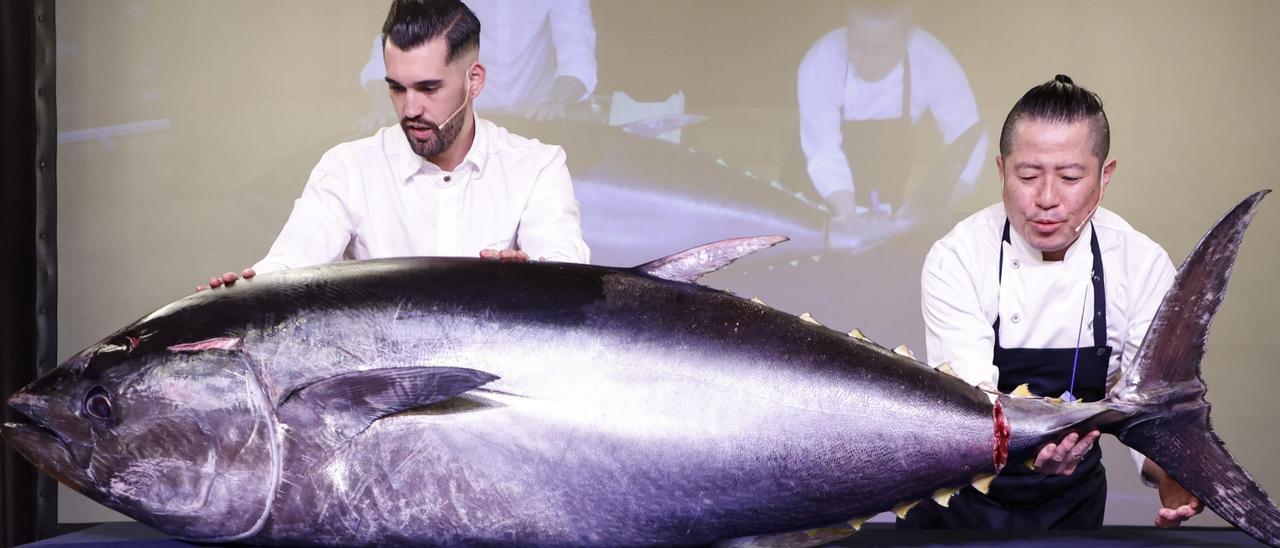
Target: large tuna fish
[(453, 400)]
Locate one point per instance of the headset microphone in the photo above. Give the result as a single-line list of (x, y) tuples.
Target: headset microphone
[(1092, 211), (466, 96)]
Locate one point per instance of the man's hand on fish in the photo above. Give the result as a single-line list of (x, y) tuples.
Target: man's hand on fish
[(229, 279), (1177, 505), (1062, 458), (506, 255)]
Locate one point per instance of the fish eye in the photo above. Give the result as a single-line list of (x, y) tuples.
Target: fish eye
[(97, 403)]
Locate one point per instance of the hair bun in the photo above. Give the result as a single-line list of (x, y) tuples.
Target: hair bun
[(1063, 79)]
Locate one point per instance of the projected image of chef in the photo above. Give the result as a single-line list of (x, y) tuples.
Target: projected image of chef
[(863, 91), (540, 55)]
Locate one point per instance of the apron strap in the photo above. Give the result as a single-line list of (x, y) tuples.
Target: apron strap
[(1099, 291), (1097, 276)]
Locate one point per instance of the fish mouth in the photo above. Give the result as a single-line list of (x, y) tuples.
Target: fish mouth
[(65, 460)]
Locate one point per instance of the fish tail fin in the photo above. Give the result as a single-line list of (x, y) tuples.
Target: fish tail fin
[(1162, 392)]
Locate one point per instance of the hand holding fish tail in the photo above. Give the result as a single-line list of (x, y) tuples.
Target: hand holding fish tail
[(1063, 457), (1177, 504), (228, 279)]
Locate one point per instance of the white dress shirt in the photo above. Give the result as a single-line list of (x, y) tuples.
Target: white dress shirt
[(830, 93), (524, 45), (1040, 302), (376, 198)]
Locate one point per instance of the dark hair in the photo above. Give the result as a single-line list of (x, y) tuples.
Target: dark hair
[(410, 23), (1060, 101)]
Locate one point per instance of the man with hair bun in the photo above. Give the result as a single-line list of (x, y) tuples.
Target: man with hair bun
[(1050, 290)]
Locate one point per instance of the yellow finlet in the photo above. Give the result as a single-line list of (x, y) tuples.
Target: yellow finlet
[(757, 301), (856, 523), (946, 368), (983, 483), (902, 509), (806, 317), (857, 334), (903, 350), (1022, 391), (943, 496), (1030, 462)]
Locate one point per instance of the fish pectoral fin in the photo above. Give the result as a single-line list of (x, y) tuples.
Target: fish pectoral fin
[(689, 265), (350, 402)]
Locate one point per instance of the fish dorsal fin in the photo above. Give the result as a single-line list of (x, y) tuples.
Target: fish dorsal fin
[(347, 404), (689, 265)]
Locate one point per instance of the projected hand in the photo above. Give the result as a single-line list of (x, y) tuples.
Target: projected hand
[(1063, 457), (229, 279), (1177, 504), (565, 91)]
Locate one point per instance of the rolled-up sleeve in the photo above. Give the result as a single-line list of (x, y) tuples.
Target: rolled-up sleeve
[(319, 227), (574, 35), (551, 226)]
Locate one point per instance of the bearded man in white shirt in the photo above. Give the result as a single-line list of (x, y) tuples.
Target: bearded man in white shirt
[(1050, 290), (442, 183)]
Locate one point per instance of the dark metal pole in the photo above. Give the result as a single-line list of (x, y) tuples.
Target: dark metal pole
[(28, 246)]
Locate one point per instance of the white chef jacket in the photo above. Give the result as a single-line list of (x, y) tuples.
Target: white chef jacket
[(524, 45), (830, 93), (376, 198), (1040, 302)]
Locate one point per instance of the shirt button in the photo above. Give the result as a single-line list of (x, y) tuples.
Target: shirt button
[(447, 178), (1015, 318), (1016, 264)]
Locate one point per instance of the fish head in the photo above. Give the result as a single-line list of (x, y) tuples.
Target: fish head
[(182, 440)]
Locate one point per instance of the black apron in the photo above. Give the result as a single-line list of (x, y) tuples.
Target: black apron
[(1021, 498), (881, 152)]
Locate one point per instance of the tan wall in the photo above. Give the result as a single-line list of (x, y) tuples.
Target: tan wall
[(236, 100)]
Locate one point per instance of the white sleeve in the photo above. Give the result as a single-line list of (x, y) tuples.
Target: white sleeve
[(374, 70), (319, 228), (954, 108), (550, 227), (956, 329), (574, 36), (1147, 291), (820, 92)]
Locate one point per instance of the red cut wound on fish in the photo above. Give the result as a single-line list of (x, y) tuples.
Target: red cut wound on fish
[(220, 343), (1000, 450)]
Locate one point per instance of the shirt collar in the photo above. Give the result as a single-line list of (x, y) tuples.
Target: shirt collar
[(1024, 250), (407, 162)]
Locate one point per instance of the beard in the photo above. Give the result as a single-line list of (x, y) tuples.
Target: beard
[(438, 140)]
